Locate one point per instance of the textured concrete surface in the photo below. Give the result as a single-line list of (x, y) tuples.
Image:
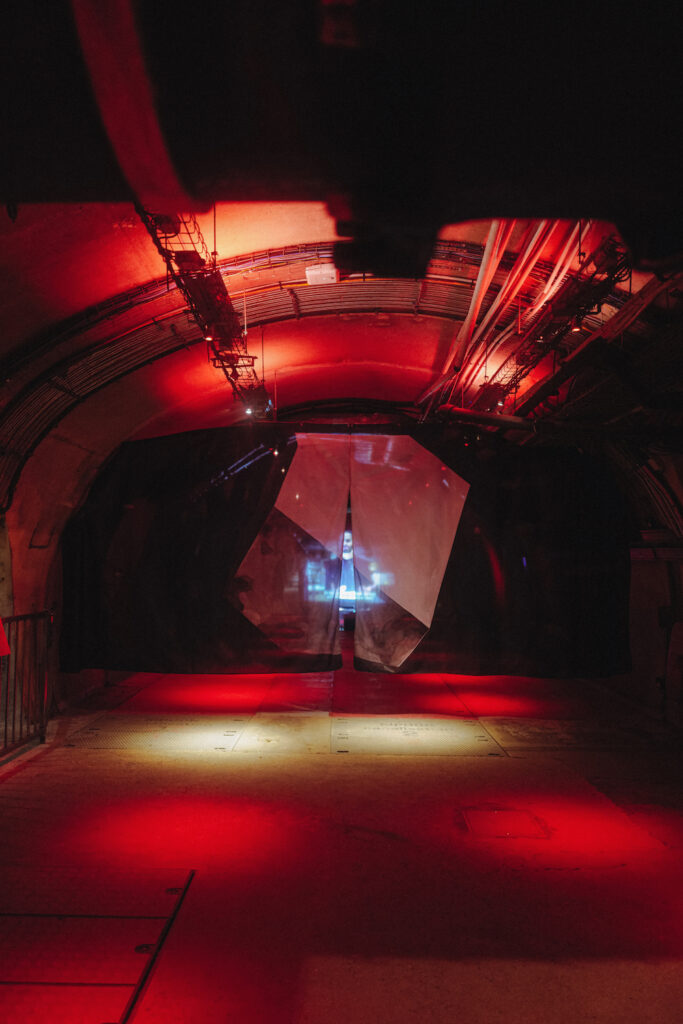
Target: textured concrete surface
[(541, 883)]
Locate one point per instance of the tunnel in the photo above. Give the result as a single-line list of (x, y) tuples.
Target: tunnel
[(341, 479)]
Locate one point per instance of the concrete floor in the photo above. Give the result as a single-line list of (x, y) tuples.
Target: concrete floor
[(321, 849)]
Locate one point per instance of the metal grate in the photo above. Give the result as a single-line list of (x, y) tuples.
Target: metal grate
[(503, 823), (25, 680), (161, 732)]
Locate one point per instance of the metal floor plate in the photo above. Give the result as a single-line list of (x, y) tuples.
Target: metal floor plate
[(29, 889), (307, 733), (579, 734), (75, 950), (161, 732), (375, 735), (63, 1004), (504, 823)]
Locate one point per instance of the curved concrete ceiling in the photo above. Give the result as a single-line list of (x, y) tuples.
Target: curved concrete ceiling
[(545, 319), (89, 306)]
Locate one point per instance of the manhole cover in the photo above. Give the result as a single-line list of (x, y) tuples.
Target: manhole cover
[(504, 823)]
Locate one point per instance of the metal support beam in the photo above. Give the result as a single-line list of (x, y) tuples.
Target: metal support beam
[(181, 245), (498, 237), (610, 330), (488, 419)]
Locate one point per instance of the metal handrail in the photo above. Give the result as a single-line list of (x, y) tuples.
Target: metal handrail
[(25, 680)]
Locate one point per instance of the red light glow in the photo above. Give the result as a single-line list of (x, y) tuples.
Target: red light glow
[(521, 697), (243, 837), (203, 694), (362, 693), (582, 831), (497, 574)]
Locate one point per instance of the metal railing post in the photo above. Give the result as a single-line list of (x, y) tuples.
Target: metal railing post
[(25, 680)]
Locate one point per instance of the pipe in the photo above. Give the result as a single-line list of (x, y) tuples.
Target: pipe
[(564, 261), (569, 429), (497, 239), (551, 286), (535, 239), (523, 266), (488, 419), (607, 332), (518, 275)]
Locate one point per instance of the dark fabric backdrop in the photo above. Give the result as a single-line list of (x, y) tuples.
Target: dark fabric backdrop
[(537, 582), (539, 575)]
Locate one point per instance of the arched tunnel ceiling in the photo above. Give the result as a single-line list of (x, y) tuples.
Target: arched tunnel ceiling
[(324, 155), (350, 113), (86, 303), (57, 259)]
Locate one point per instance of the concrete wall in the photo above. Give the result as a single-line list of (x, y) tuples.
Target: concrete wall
[(6, 589), (656, 625)]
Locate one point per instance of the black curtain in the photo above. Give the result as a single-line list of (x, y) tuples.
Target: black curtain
[(150, 563), (154, 563), (539, 575)]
